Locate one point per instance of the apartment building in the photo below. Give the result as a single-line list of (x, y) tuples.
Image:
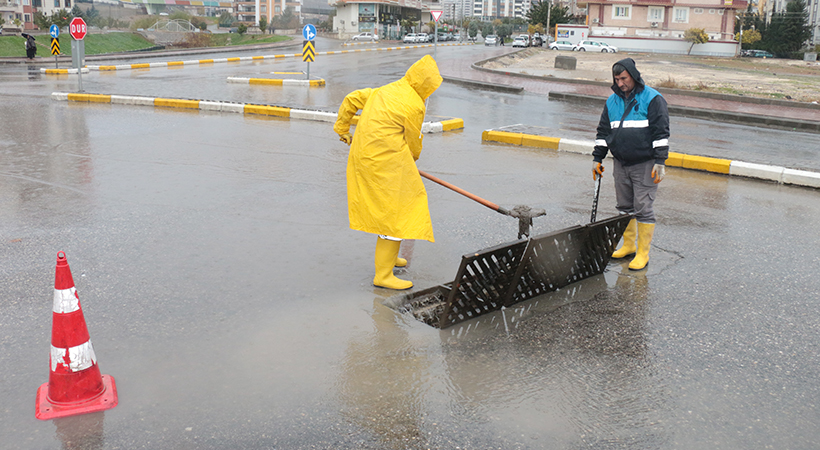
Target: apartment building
[(17, 14), (662, 18), (487, 10), (381, 17), (245, 11)]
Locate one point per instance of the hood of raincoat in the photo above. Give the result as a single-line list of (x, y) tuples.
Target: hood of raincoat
[(629, 64), (424, 77)]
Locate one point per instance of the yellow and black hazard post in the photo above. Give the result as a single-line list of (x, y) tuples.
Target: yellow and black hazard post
[(55, 50), (308, 55)]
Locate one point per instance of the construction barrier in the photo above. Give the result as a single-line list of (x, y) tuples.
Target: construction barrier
[(166, 64), (449, 124), (777, 174)]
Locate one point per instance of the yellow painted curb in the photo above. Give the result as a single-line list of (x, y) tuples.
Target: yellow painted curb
[(267, 110), (256, 58), (108, 67), (176, 103), (234, 59), (265, 81), (176, 63), (675, 159), (705, 163), (140, 66), (504, 137), (56, 71), (90, 98), (317, 82), (529, 140), (452, 124), (206, 61)]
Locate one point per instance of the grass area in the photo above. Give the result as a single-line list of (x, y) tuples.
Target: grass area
[(221, 40), (96, 44)]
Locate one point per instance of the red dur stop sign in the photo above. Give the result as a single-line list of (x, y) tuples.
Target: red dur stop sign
[(77, 28)]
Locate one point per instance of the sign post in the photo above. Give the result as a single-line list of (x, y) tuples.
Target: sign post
[(308, 50), (436, 15), (78, 29), (54, 31)]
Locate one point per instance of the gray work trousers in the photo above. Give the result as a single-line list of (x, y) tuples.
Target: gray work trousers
[(634, 190)]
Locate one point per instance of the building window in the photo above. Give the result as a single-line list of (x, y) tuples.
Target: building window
[(56, 3), (681, 14), (720, 12), (700, 11), (655, 14), (621, 12)]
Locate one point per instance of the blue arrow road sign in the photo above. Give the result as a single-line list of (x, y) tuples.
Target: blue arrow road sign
[(309, 32), (54, 30)]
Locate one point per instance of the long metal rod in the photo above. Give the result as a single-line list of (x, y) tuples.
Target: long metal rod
[(595, 200), (474, 197)]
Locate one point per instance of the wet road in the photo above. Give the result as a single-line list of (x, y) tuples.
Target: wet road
[(226, 295)]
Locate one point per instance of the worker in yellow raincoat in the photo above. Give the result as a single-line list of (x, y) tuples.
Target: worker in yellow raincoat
[(385, 194)]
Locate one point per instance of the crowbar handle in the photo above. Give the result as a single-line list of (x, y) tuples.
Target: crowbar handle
[(474, 197)]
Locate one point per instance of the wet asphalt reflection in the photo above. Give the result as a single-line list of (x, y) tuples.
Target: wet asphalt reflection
[(225, 293)]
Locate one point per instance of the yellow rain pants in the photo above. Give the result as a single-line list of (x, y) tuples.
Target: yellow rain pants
[(385, 194)]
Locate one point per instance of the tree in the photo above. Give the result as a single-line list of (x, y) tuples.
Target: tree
[(225, 19), (505, 30), (42, 21), (472, 31), (242, 28), (486, 29), (788, 30), (407, 25), (263, 24), (545, 12), (749, 38), (61, 18), (77, 12), (695, 36)]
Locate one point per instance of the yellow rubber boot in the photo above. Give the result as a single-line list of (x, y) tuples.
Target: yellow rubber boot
[(628, 247), (645, 233), (400, 262), (387, 252)]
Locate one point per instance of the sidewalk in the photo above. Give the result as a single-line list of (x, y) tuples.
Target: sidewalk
[(756, 110)]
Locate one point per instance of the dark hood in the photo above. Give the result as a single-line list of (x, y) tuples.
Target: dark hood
[(629, 63)]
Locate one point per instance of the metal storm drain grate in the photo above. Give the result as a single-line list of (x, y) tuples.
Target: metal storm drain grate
[(507, 274)]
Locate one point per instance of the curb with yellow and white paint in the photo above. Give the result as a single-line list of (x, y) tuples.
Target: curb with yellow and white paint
[(61, 71), (153, 65), (241, 108), (277, 81), (777, 174)]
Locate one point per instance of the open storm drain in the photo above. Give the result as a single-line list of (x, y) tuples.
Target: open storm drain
[(506, 274)]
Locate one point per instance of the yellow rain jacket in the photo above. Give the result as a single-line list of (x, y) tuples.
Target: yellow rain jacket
[(385, 194)]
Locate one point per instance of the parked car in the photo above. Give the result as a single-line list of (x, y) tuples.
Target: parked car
[(520, 42), (422, 37), (365, 37), (409, 38), (562, 45), (756, 54), (526, 38), (491, 39), (537, 40), (595, 46)]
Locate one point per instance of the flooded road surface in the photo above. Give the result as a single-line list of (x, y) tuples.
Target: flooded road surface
[(225, 293)]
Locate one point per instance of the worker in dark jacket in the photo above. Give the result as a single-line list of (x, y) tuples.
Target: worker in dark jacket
[(634, 127)]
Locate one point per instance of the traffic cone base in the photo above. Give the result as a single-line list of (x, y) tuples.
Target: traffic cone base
[(46, 409)]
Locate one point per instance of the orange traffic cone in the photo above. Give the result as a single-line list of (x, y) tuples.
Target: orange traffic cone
[(75, 385)]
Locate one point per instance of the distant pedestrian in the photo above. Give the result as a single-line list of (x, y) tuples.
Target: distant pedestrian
[(31, 46), (501, 39)]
